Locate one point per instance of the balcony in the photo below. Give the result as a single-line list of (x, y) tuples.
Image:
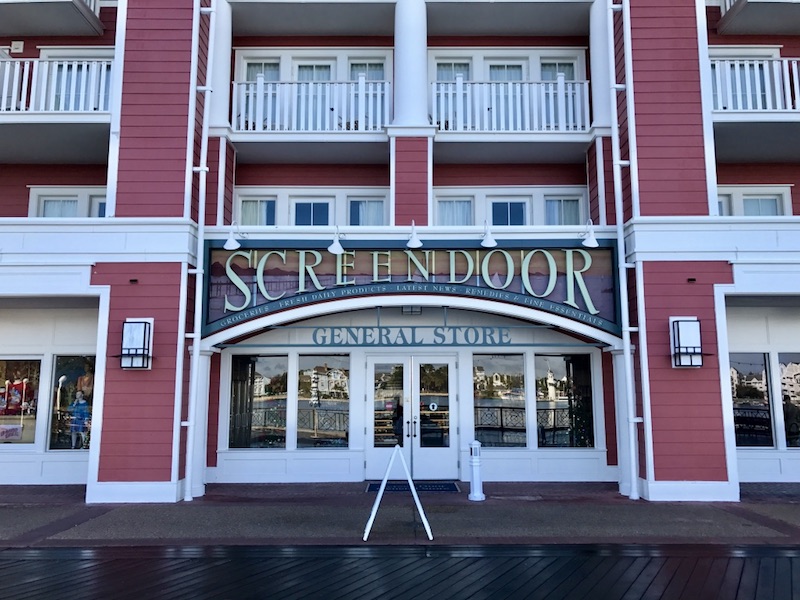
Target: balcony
[(54, 111), (515, 112), (756, 109), (350, 116), (754, 17), (20, 18)]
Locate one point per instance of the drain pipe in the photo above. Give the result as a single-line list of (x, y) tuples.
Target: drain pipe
[(198, 271), (622, 265)]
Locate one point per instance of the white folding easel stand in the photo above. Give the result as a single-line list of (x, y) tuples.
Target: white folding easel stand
[(396, 452)]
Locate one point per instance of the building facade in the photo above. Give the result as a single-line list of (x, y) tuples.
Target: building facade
[(269, 242)]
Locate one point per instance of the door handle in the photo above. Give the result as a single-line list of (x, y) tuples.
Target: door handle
[(408, 429), (414, 430)]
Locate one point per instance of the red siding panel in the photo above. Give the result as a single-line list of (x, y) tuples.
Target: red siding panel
[(213, 411), (509, 175), (312, 175), (411, 181), (669, 128), (157, 77), (609, 410), (686, 404), (15, 179), (138, 411)]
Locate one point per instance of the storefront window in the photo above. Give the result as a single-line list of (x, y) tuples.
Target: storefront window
[(19, 387), (498, 383), (258, 402), (73, 391), (564, 401), (790, 395), (323, 401), (750, 387)]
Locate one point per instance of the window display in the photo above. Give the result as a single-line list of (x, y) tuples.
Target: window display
[(499, 389), (73, 391), (19, 387)]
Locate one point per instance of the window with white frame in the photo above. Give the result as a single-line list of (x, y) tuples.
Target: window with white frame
[(751, 201), (262, 206), (510, 206), (67, 202), (311, 211)]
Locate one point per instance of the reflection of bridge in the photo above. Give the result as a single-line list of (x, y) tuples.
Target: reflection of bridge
[(505, 426)]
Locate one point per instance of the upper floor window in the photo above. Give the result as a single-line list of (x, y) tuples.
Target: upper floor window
[(514, 207), (307, 207), (761, 201), (69, 202)]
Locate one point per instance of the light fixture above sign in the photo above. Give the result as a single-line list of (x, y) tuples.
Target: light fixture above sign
[(413, 239)]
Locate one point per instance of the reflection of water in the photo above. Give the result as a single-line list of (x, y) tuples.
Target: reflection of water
[(497, 402)]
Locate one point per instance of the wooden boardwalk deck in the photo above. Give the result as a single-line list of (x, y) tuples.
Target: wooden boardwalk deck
[(597, 572)]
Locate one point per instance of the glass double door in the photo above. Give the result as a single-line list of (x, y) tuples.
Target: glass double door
[(412, 404)]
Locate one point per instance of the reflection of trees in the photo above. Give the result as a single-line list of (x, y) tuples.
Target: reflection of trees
[(748, 391), (433, 378), (277, 385)]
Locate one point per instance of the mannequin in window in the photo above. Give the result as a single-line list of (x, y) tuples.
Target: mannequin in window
[(86, 381), (79, 409)]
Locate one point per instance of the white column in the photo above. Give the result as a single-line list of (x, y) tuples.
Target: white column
[(624, 457), (411, 64), (600, 69), (221, 69), (200, 430)]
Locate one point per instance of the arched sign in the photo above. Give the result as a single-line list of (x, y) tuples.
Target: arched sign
[(573, 282)]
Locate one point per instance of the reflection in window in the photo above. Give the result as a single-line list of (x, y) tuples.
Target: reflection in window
[(750, 388), (258, 402), (388, 417), (564, 401), (498, 383), (790, 395), (311, 213), (19, 387), (73, 392), (323, 401), (508, 213)]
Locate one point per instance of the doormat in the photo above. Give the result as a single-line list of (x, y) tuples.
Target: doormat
[(429, 486)]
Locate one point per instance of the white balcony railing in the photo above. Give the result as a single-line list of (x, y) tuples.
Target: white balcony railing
[(768, 85), (511, 106), (310, 106), (54, 86)]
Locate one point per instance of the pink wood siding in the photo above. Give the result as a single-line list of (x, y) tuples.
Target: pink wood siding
[(15, 179), (138, 412), (212, 180), (108, 16), (686, 403), (758, 174), (496, 41), (311, 175), (669, 124), (509, 175), (411, 181), (298, 41), (230, 173), (213, 411), (155, 109), (609, 410)]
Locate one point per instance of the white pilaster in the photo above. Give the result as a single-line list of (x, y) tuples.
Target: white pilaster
[(600, 69), (411, 64), (221, 68), (200, 430), (624, 457)]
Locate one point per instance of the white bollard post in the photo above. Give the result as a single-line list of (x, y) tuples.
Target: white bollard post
[(476, 484)]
